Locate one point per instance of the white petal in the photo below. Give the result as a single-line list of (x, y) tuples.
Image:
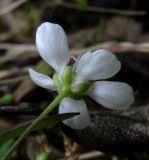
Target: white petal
[(113, 95), (100, 64), (52, 44), (69, 105), (42, 80)]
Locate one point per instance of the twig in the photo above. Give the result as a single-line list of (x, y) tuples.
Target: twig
[(21, 47), (15, 54), (12, 72), (101, 9), (12, 80), (13, 110), (11, 7), (116, 47), (90, 155)]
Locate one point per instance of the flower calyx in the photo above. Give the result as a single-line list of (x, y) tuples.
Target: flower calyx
[(66, 80)]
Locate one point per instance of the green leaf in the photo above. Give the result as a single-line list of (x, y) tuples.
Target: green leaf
[(6, 99), (5, 146), (49, 122)]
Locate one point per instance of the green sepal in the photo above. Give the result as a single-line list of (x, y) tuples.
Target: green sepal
[(67, 75), (56, 81), (80, 88)]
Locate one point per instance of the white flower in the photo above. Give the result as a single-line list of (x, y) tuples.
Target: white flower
[(52, 44)]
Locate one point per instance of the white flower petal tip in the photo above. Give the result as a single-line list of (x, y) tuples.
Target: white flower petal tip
[(69, 105), (52, 44), (100, 64), (41, 80), (112, 95)]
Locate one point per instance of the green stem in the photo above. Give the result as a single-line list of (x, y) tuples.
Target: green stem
[(50, 107)]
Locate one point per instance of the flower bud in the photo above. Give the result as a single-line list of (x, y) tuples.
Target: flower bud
[(67, 75), (81, 88)]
